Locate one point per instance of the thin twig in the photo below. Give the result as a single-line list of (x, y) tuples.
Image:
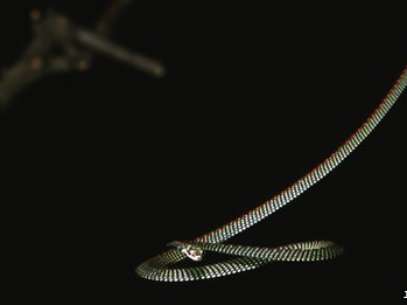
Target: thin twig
[(138, 61), (105, 24)]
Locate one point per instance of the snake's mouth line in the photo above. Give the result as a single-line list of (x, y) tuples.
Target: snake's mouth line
[(161, 267)]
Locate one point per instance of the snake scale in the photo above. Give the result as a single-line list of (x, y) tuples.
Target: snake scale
[(161, 267)]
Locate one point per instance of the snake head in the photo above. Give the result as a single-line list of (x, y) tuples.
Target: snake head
[(193, 252)]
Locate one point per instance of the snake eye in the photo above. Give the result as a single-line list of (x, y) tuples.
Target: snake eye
[(193, 253)]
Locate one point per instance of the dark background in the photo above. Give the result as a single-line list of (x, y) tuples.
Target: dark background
[(108, 166)]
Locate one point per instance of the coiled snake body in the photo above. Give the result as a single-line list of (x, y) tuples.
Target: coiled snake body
[(246, 257)]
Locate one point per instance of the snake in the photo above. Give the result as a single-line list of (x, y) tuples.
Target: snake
[(163, 267)]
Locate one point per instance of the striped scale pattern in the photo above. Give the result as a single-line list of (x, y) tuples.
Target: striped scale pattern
[(161, 267)]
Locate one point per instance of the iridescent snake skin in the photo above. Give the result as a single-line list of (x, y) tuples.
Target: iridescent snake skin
[(161, 267)]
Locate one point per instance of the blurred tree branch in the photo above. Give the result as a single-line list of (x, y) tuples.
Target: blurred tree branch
[(59, 46)]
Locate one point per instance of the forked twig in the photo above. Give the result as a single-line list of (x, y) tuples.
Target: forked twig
[(60, 46)]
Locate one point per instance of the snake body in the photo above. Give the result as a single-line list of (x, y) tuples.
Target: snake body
[(161, 267)]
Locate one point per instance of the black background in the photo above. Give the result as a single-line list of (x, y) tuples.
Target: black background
[(108, 166)]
